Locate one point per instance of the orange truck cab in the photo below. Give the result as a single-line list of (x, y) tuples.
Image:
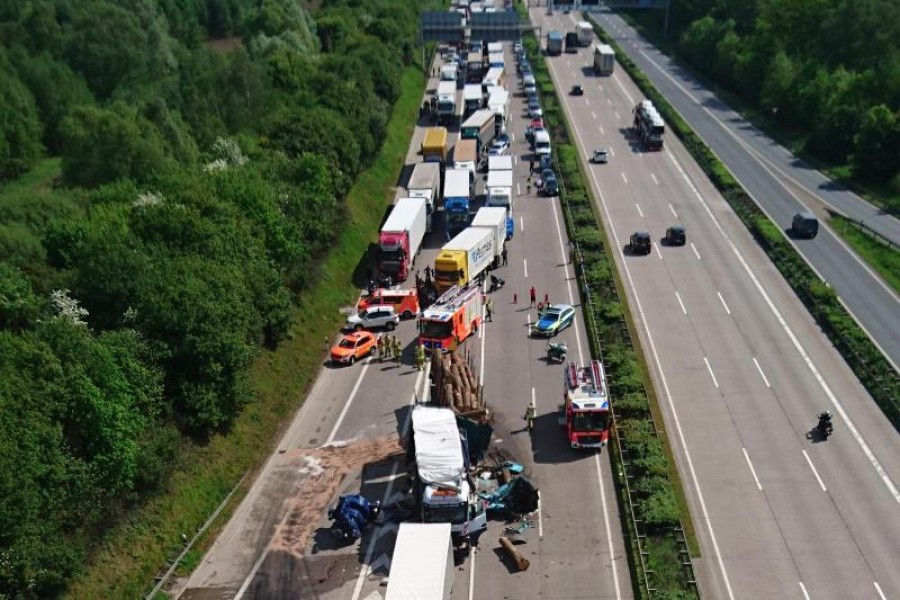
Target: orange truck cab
[(405, 302)]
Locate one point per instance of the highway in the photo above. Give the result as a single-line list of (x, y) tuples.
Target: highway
[(782, 185), (741, 369), (273, 548)]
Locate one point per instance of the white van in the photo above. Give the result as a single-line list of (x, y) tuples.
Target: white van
[(542, 143)]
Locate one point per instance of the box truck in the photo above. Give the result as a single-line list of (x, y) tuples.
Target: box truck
[(500, 163), (425, 182), (457, 198), (464, 258), (422, 563), (493, 218), (441, 456), (498, 102), (585, 33), (434, 146), (471, 98), (465, 156), (604, 59), (554, 43), (401, 237), (479, 127), (446, 101)]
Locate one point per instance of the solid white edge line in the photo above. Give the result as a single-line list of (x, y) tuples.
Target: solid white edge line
[(423, 375), (718, 554), (820, 379), (609, 543), (761, 374), (471, 574), (722, 300), (711, 374), (678, 297), (752, 470), (813, 469)]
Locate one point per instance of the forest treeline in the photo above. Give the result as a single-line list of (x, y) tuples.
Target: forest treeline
[(827, 69), (205, 148)]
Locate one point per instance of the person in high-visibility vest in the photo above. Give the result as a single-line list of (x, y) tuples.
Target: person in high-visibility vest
[(420, 357), (529, 416)]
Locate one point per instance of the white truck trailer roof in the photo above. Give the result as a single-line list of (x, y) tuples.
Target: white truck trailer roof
[(499, 179), (422, 563), (500, 163)]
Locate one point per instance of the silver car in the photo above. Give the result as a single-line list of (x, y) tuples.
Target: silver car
[(373, 318)]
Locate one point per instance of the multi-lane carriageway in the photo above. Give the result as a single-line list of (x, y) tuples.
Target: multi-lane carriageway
[(741, 370), (576, 548)]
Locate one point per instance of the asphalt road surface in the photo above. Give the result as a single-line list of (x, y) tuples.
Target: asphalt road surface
[(781, 184), (576, 548), (741, 371)]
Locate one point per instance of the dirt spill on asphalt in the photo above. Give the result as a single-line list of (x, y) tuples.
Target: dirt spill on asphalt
[(321, 472)]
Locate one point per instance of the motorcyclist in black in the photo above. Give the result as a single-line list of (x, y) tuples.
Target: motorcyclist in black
[(825, 427)]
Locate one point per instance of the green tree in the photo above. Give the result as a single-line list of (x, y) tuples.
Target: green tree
[(875, 155), (19, 306), (106, 144), (107, 45), (20, 129)]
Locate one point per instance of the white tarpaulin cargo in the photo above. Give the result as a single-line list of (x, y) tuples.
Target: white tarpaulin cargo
[(439, 457)]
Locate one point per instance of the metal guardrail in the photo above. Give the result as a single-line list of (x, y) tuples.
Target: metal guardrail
[(577, 260)]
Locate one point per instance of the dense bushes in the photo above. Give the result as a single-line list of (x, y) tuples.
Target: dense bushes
[(826, 70), (200, 182)]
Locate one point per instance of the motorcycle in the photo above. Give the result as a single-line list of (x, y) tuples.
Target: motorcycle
[(557, 351), (824, 428), (496, 284)]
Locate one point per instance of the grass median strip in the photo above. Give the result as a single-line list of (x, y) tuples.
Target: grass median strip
[(648, 485)]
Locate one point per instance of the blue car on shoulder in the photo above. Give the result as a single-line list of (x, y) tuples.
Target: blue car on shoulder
[(554, 319)]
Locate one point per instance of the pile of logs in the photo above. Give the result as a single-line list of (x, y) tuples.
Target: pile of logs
[(456, 386)]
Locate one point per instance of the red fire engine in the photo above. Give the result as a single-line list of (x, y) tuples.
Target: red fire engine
[(585, 412), (451, 319)]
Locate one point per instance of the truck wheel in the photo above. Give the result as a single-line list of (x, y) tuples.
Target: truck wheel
[(407, 314)]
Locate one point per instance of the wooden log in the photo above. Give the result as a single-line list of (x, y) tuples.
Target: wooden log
[(522, 563)]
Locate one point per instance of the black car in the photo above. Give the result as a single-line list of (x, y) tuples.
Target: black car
[(675, 236), (551, 186), (640, 243), (545, 162), (578, 90)]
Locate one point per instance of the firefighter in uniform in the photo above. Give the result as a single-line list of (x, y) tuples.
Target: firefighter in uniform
[(380, 347), (420, 357), (529, 416)]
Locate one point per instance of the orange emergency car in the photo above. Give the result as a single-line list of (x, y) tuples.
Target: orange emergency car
[(353, 346)]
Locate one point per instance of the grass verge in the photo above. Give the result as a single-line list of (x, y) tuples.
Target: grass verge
[(884, 258), (137, 551)]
